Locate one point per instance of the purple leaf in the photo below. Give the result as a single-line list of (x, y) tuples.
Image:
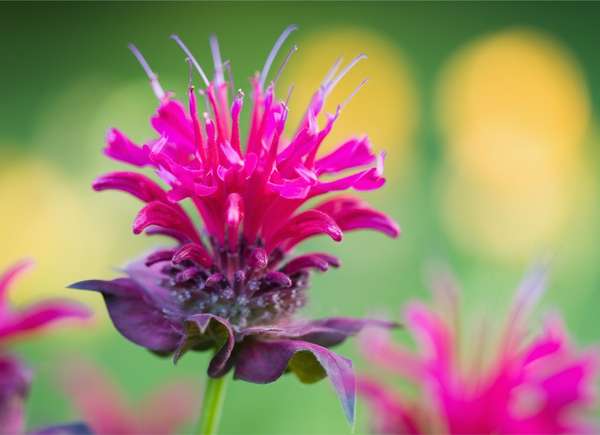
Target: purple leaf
[(263, 362)]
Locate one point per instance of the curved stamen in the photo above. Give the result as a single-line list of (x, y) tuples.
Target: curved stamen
[(289, 95), (331, 72), (273, 53), (354, 92), (154, 83), (216, 54), (285, 62), (189, 54), (331, 84)]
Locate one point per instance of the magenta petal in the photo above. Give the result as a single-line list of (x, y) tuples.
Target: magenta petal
[(9, 276), (15, 379), (203, 328), (133, 183), (302, 226), (354, 214), (263, 362), (316, 260), (369, 179), (171, 122), (135, 315), (194, 252), (351, 154), (39, 316), (297, 188), (121, 148), (163, 215)]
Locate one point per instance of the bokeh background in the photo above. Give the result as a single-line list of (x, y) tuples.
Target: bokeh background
[(488, 112)]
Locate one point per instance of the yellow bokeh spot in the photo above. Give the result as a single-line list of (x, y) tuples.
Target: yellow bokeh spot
[(513, 104), (384, 109), (43, 218), (535, 220), (515, 113)]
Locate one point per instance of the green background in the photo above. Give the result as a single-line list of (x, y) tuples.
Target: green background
[(75, 53)]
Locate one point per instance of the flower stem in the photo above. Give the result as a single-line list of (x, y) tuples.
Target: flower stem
[(212, 405)]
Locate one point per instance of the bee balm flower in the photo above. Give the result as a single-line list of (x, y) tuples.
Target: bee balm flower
[(538, 384), (235, 285), (15, 377)]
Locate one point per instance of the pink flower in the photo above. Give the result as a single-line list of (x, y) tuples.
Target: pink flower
[(15, 378), (517, 384), (234, 286), (102, 405)]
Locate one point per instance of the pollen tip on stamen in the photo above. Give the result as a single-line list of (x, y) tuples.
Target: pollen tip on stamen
[(289, 95), (189, 54), (285, 62), (273, 53), (354, 92), (334, 81)]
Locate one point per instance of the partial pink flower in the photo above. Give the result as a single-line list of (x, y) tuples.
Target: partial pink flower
[(520, 384), (16, 323), (105, 409), (235, 285), (15, 377)]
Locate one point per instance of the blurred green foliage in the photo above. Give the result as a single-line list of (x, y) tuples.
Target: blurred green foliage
[(61, 60)]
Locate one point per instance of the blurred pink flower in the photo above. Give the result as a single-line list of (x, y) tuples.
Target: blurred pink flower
[(103, 406), (31, 319), (15, 377), (525, 385)]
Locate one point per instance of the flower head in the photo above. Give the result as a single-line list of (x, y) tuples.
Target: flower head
[(235, 285), (104, 408), (15, 377), (521, 385)]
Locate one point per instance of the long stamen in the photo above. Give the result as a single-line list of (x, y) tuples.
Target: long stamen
[(216, 54), (154, 83), (273, 53), (227, 65), (289, 95), (190, 71), (354, 92), (331, 72), (189, 54), (285, 62), (329, 86)]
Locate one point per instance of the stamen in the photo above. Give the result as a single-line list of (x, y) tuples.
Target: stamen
[(189, 54), (273, 53), (331, 72), (154, 83), (329, 86), (206, 102), (285, 62), (354, 92), (289, 95), (227, 65), (190, 71), (216, 54)]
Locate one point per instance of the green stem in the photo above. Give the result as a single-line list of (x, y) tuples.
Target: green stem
[(212, 405)]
